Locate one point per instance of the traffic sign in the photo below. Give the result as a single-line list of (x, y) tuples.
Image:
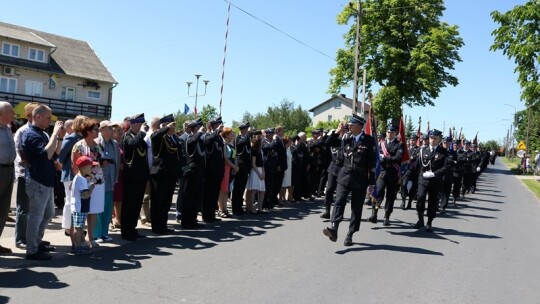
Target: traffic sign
[(521, 146), (520, 153)]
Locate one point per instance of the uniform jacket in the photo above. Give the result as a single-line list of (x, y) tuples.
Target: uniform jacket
[(435, 162), (215, 161), (358, 159), (195, 156), (166, 154), (270, 157), (243, 148), (135, 149), (391, 162)]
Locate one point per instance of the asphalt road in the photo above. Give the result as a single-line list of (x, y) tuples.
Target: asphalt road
[(485, 251)]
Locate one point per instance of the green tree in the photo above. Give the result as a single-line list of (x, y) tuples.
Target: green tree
[(409, 127), (491, 145), (518, 38), (405, 48), (286, 114), (522, 123)]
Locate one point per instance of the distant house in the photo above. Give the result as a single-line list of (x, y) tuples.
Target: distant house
[(338, 107), (61, 72)]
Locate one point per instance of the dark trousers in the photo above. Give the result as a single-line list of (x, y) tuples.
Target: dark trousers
[(180, 197), (357, 201), (131, 206), (431, 188), (7, 178), (23, 205), (330, 189), (387, 180), (409, 193), (475, 176), (457, 185), (212, 185), (278, 181), (314, 178), (446, 189), (193, 194), (161, 196), (239, 186), (269, 183), (322, 182)]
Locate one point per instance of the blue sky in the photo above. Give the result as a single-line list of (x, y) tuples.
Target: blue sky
[(153, 47)]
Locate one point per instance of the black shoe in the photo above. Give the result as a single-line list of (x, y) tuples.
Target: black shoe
[(443, 211), (454, 202), (45, 248), (429, 228), (348, 240), (164, 231), (20, 245), (373, 217), (39, 256), (326, 214), (139, 236), (331, 233), (49, 243), (386, 222), (419, 225)]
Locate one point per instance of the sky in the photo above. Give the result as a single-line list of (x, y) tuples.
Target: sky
[(152, 48)]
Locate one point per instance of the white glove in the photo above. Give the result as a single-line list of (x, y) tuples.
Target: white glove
[(477, 169), (381, 157), (428, 175)]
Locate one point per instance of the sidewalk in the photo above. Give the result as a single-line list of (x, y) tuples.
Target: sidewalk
[(54, 234)]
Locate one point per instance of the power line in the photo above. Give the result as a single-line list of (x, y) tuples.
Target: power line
[(280, 31)]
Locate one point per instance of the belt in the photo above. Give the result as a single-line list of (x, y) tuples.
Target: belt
[(6, 165)]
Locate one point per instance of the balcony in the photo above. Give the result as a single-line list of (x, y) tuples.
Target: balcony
[(62, 108)]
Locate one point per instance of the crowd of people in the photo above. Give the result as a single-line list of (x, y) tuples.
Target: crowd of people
[(108, 176)]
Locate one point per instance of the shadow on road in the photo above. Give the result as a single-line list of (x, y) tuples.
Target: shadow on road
[(367, 247), (22, 278)]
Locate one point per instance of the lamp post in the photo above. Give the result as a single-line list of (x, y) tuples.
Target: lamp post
[(189, 83), (513, 125)]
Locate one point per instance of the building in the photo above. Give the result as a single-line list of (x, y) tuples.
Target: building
[(338, 107), (62, 73)]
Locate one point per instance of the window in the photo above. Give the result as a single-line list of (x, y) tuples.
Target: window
[(9, 49), (33, 88), (36, 55), (94, 95), (8, 85), (68, 94), (329, 117), (337, 104)]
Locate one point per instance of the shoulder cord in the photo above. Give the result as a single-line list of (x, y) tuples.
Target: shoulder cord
[(171, 150), (422, 161), (197, 149), (141, 154)]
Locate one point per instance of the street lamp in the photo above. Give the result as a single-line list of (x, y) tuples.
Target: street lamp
[(513, 125), (189, 83)]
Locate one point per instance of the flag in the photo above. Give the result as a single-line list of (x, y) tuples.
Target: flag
[(451, 139), (418, 133), (475, 140), (402, 138), (371, 129), (186, 109)]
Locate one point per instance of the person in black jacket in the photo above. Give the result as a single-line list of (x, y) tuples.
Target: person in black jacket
[(163, 173), (300, 163), (409, 181), (215, 168), (270, 159), (135, 177), (316, 164), (448, 178), (194, 173), (357, 173), (243, 148), (333, 171), (391, 155), (281, 154), (181, 180), (432, 166)]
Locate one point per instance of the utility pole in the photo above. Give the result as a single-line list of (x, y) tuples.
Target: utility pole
[(357, 58), (528, 128)]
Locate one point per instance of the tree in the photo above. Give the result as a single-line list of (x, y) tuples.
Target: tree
[(208, 112), (492, 145), (293, 118), (405, 49), (517, 36), (522, 123), (409, 128)]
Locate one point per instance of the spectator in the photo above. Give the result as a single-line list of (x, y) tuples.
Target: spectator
[(39, 150), (7, 171), (81, 192), (118, 194), (20, 169)]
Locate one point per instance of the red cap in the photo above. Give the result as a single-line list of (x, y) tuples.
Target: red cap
[(85, 161)]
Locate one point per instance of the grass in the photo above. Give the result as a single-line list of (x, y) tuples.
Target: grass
[(533, 185)]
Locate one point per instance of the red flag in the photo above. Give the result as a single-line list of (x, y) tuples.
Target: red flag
[(403, 140), (367, 129)]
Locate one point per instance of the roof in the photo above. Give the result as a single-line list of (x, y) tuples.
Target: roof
[(71, 57), (344, 100)]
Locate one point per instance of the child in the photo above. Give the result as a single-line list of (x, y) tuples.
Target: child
[(81, 190)]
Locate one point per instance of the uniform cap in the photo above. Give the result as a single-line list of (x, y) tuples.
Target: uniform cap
[(435, 132), (166, 119), (244, 125), (137, 118), (355, 119)]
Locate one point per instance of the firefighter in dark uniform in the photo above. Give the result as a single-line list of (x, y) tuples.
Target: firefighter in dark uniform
[(409, 180), (194, 173), (300, 164), (391, 155), (468, 168), (476, 167), (243, 148), (181, 180), (135, 177), (316, 154), (448, 178), (326, 159), (215, 168), (333, 171), (370, 199), (432, 166), (270, 159), (459, 170), (357, 173), (163, 173)]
